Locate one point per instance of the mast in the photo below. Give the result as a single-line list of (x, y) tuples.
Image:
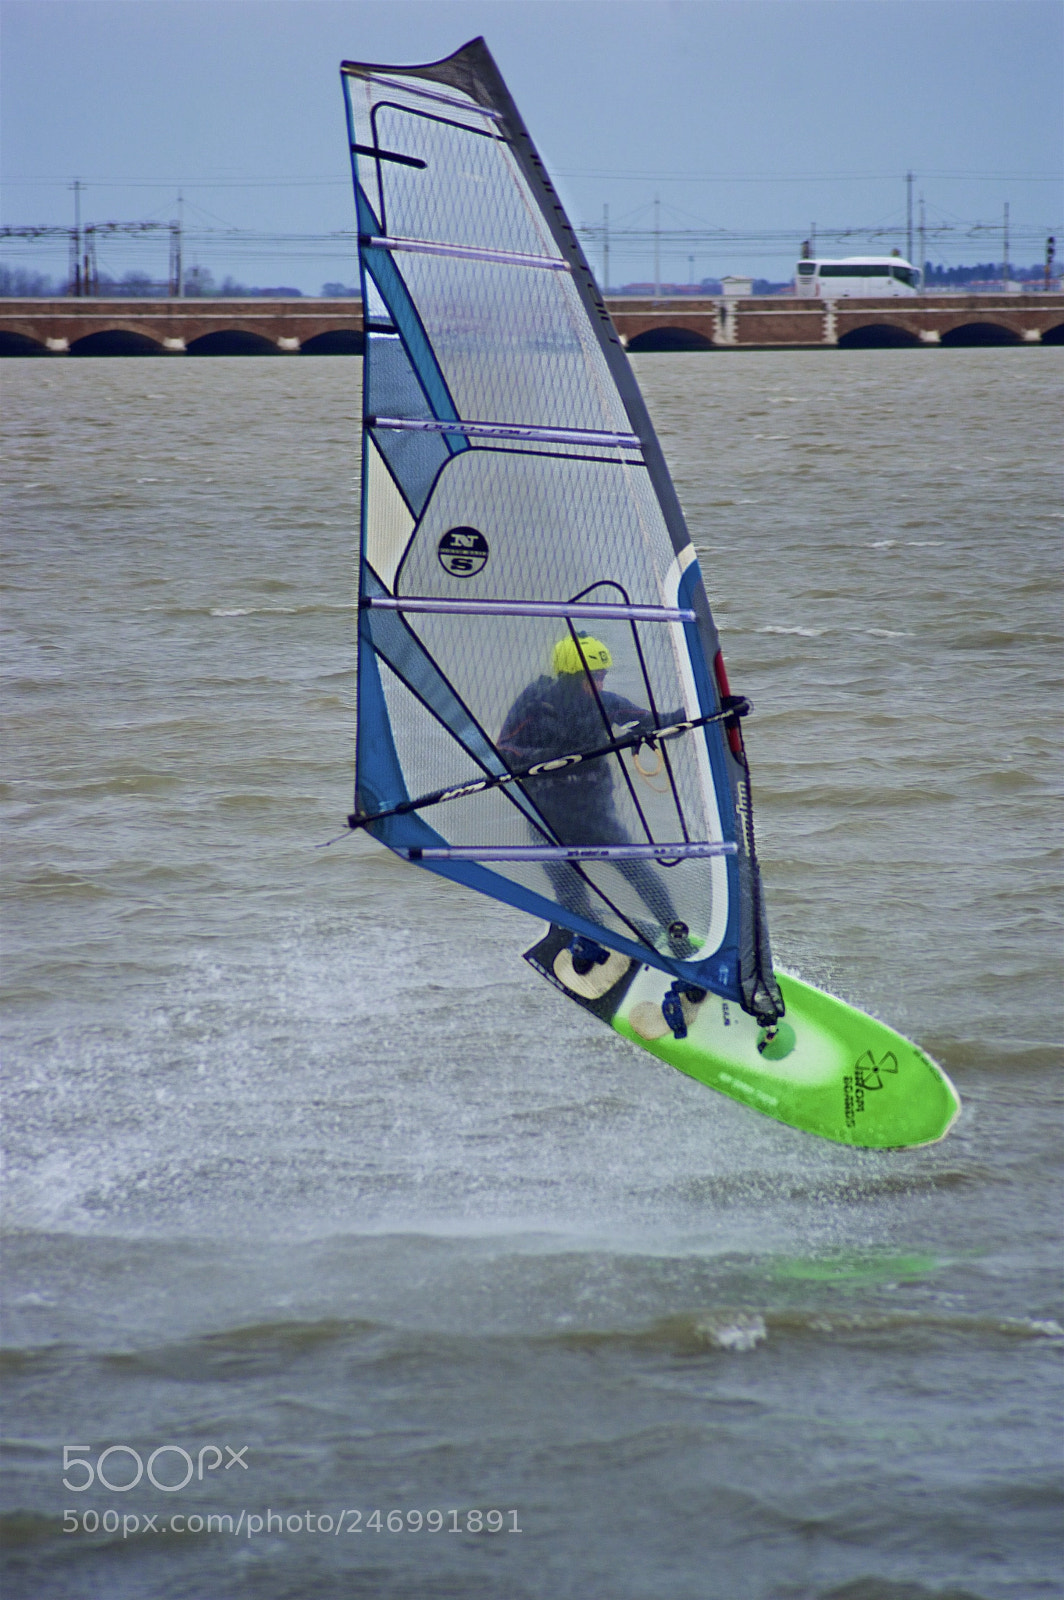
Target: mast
[(657, 248)]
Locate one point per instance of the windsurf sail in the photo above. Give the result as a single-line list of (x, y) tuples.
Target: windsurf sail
[(543, 713)]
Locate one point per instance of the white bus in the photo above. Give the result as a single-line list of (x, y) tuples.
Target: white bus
[(855, 276)]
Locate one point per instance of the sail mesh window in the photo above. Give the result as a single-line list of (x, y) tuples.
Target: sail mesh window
[(513, 343), (469, 191)]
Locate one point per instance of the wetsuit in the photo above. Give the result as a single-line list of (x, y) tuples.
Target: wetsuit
[(560, 716)]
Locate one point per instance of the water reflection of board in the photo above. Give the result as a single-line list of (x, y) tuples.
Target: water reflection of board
[(848, 1077)]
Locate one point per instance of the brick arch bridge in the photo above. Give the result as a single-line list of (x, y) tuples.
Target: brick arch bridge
[(268, 327), (178, 327), (780, 321)]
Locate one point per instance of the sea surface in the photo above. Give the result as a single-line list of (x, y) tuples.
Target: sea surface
[(317, 1196)]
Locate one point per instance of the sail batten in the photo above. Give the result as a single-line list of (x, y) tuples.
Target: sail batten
[(505, 430), (462, 252), (535, 644), (577, 852), (585, 611)]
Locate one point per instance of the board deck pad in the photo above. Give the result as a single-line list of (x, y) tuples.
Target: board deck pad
[(849, 1078), (592, 985)]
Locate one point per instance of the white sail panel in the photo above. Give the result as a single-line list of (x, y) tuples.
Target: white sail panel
[(546, 366), (552, 525), (389, 523), (469, 191)]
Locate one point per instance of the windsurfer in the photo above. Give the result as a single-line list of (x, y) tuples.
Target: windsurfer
[(572, 711)]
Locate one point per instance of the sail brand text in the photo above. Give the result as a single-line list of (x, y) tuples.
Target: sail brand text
[(742, 805), (168, 1468)]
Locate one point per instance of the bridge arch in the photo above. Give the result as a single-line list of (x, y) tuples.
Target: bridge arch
[(335, 342), (971, 334), (116, 342), (232, 342), (20, 344), (669, 338), (1054, 335), (878, 336)]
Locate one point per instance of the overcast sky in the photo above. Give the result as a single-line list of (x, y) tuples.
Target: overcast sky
[(757, 117)]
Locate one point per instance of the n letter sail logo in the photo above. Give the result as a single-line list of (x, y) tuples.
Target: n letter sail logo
[(462, 552)]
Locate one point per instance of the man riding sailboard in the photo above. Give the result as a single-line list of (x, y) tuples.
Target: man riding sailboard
[(573, 710)]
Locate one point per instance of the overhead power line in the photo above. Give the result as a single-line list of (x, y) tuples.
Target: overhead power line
[(634, 239), (678, 175)]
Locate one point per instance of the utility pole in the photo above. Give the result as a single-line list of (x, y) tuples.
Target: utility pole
[(1005, 250), (606, 249), (1051, 250), (75, 242), (923, 245), (177, 272), (909, 218), (91, 277), (657, 248), (180, 245)]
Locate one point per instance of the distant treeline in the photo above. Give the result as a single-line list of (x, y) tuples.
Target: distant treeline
[(982, 272), (200, 283), (708, 286)]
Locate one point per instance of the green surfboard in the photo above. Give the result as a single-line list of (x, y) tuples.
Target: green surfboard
[(832, 1070)]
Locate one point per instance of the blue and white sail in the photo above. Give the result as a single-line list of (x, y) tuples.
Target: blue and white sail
[(516, 509)]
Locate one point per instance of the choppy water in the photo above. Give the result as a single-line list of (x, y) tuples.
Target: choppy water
[(302, 1157)]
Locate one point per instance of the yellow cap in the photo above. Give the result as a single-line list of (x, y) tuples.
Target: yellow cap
[(589, 655)]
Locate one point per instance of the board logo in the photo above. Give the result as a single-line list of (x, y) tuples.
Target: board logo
[(867, 1077), (462, 552), (868, 1072)]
